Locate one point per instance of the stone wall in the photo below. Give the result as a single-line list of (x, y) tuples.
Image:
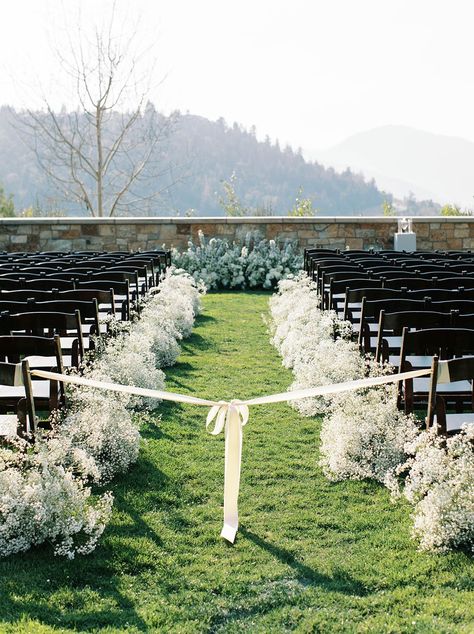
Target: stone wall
[(109, 234)]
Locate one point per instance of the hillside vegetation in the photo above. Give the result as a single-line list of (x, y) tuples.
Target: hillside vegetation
[(192, 161)]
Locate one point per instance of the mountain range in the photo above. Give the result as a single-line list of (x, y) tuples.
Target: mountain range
[(407, 161)]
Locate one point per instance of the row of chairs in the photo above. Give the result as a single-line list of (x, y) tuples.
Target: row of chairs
[(51, 322), (406, 321)]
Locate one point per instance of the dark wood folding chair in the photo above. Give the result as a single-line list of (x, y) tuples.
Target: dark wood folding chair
[(417, 350), (48, 394), (121, 291), (391, 325), (370, 313), (23, 422), (438, 415), (335, 295), (46, 324)]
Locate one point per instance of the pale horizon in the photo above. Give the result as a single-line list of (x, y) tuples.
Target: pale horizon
[(310, 75)]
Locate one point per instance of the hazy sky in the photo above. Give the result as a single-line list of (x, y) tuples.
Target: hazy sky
[(306, 72)]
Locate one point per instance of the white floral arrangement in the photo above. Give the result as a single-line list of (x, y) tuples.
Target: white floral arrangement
[(363, 433), (255, 263), (46, 493), (440, 485)]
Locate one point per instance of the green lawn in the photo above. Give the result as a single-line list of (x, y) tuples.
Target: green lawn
[(310, 556)]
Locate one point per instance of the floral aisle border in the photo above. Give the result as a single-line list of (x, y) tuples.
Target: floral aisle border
[(253, 263), (363, 434), (46, 490)]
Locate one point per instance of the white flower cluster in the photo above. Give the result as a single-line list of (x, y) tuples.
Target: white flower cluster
[(363, 434), (257, 263), (45, 494), (440, 484), (314, 343)]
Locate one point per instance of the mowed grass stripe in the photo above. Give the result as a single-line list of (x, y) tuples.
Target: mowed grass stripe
[(311, 556)]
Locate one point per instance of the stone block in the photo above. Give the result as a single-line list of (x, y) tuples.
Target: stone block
[(90, 229), (365, 232), (71, 233), (354, 243), (19, 239), (421, 229), (183, 229), (438, 235), (61, 245), (345, 230), (167, 232), (106, 230), (454, 243), (305, 233)]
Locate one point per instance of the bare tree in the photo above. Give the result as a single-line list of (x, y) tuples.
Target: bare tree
[(99, 154)]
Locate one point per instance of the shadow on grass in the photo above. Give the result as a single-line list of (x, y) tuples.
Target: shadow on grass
[(89, 592), (341, 582)]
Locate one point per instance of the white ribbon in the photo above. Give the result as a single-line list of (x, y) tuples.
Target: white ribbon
[(231, 418)]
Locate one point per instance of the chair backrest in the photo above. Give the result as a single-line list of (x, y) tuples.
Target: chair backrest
[(407, 282), (321, 270), (121, 288), (106, 297), (21, 275), (446, 343), (463, 306), (392, 274), (425, 267), (455, 281), (49, 283), (338, 287), (392, 325), (370, 312), (441, 294), (85, 268), (24, 294), (465, 320), (327, 278), (70, 275), (119, 276), (46, 324), (40, 269), (88, 309), (356, 295)]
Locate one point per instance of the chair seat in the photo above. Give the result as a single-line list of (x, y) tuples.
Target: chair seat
[(40, 390), (8, 425), (423, 385), (47, 362), (417, 362), (454, 422)]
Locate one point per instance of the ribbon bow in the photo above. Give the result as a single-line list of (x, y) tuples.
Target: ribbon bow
[(230, 417)]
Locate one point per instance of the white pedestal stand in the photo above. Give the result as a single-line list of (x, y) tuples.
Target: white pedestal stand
[(404, 242)]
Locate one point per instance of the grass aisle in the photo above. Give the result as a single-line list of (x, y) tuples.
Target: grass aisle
[(310, 556)]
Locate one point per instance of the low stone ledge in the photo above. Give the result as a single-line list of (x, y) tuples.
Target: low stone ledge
[(355, 232)]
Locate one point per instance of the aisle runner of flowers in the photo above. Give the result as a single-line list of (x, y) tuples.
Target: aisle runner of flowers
[(46, 490), (363, 433)]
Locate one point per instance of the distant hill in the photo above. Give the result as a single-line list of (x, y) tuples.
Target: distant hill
[(405, 160), (202, 155)]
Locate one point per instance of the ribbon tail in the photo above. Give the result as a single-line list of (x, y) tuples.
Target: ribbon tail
[(233, 456)]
